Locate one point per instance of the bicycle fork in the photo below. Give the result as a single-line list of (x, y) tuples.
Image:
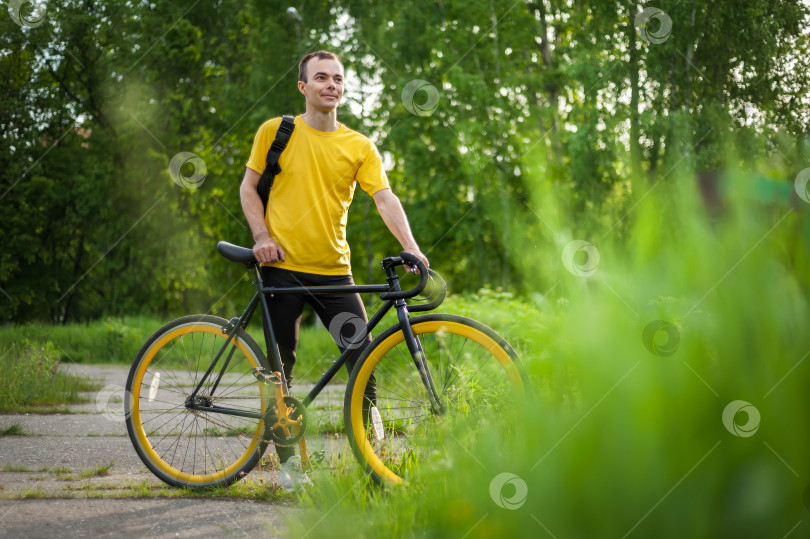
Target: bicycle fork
[(418, 355)]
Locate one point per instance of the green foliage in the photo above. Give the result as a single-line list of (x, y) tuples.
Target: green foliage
[(110, 340), (118, 339), (552, 119)]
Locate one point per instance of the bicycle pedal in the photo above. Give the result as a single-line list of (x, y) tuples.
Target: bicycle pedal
[(266, 376)]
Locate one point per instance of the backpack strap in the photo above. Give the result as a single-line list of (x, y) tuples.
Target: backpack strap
[(285, 131)]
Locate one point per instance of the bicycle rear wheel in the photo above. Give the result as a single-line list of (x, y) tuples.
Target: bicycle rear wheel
[(191, 448), (479, 379)]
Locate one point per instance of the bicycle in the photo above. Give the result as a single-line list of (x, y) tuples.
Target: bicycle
[(203, 401)]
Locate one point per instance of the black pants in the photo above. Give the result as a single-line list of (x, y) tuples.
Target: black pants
[(343, 315)]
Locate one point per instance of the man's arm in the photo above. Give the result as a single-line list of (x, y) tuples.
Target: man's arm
[(266, 249), (393, 215)]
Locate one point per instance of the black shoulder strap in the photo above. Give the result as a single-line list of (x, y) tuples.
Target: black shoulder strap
[(285, 131)]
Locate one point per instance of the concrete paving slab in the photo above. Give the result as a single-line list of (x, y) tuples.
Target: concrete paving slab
[(89, 452), (76, 453), (103, 374), (49, 460), (147, 517), (65, 424), (67, 484)]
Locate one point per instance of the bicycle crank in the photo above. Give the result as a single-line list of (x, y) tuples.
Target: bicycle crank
[(289, 427)]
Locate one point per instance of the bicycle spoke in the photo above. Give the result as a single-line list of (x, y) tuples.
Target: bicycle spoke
[(408, 360)]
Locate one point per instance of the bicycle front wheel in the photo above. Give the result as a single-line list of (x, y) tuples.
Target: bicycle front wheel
[(186, 447), (478, 377)]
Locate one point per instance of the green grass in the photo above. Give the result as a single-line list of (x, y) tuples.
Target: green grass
[(13, 430), (117, 340), (8, 467), (42, 409), (329, 424), (62, 473), (34, 493), (624, 439), (111, 340), (249, 488), (99, 471), (33, 382)]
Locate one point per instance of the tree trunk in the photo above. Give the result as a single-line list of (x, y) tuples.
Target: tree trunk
[(551, 85), (635, 131)]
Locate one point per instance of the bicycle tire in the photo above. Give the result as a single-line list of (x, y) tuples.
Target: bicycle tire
[(195, 449), (409, 423)]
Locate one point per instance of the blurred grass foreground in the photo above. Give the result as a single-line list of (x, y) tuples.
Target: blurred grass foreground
[(671, 382)]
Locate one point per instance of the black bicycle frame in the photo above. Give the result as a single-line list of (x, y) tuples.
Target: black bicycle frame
[(260, 299)]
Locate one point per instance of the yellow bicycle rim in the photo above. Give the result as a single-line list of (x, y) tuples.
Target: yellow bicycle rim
[(379, 351), (136, 415)]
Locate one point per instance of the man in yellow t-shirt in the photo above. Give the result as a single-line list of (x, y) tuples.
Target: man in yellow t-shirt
[(301, 239)]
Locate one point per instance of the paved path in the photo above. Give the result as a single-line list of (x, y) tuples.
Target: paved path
[(155, 517), (67, 474)]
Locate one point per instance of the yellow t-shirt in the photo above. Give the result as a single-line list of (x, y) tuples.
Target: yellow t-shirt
[(309, 202)]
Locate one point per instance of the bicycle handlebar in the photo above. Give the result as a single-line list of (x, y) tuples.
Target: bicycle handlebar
[(437, 281), (407, 258)]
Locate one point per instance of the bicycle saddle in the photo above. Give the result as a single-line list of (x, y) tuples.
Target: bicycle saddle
[(234, 253)]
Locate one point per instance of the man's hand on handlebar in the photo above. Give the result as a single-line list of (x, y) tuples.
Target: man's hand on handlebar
[(268, 251), (418, 254)]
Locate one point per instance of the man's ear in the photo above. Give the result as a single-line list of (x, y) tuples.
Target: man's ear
[(301, 86)]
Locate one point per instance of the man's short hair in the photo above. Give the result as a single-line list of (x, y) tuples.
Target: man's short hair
[(320, 55)]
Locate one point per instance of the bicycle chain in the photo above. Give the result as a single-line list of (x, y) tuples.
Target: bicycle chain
[(240, 435), (218, 424), (275, 440), (227, 398)]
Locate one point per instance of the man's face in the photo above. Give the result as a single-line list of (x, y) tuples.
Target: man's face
[(324, 87)]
